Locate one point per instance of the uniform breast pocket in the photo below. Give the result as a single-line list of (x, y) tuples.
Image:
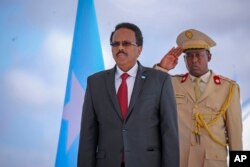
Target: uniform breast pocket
[(216, 158), (211, 111), (180, 98), (212, 107)]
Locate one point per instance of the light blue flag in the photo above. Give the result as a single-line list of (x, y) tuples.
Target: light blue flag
[(86, 59)]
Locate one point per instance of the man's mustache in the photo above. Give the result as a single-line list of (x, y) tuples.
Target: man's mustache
[(121, 52)]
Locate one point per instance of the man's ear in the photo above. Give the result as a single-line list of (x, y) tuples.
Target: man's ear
[(209, 57), (139, 50)]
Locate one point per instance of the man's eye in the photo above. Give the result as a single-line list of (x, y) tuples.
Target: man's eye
[(115, 44), (125, 43)]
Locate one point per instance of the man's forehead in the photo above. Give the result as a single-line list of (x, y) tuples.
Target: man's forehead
[(124, 33)]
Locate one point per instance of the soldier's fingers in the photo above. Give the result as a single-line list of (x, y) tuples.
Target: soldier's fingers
[(172, 50), (178, 51)]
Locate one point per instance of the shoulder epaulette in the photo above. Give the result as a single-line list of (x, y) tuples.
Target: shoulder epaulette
[(226, 79), (182, 76)]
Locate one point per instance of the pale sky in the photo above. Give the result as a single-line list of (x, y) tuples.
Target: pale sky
[(36, 38)]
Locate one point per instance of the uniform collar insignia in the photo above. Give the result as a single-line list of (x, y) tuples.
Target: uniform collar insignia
[(217, 80), (184, 78)]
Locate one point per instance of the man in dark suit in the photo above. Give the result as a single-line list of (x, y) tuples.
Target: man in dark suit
[(129, 112)]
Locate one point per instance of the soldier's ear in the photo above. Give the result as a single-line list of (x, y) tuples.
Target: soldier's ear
[(209, 56)]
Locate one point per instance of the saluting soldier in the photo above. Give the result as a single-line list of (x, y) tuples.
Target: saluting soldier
[(208, 105)]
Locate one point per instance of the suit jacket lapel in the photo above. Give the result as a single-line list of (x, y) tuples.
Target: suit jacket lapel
[(139, 81), (110, 84)]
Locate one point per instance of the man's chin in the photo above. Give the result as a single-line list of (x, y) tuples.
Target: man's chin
[(195, 72), (121, 58)]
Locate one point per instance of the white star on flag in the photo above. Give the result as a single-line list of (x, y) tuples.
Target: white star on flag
[(73, 109)]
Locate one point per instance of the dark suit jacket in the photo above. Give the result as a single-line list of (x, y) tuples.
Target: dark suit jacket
[(149, 135)]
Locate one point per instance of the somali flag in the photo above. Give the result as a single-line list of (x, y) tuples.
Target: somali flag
[(86, 59)]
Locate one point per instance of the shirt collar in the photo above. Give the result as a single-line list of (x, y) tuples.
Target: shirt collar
[(132, 72), (204, 78)]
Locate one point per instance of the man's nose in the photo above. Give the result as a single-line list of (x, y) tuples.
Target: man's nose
[(120, 47), (194, 58)]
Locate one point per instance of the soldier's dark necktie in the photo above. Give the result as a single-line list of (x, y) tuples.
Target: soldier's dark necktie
[(122, 95)]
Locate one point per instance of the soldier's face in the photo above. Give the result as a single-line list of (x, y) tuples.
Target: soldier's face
[(197, 61)]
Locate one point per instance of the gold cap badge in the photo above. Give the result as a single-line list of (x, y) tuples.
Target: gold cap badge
[(189, 34)]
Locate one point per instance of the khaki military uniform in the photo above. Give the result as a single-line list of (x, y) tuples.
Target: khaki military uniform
[(211, 124), (205, 131)]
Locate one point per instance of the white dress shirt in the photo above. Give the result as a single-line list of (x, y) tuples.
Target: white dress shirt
[(130, 80)]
